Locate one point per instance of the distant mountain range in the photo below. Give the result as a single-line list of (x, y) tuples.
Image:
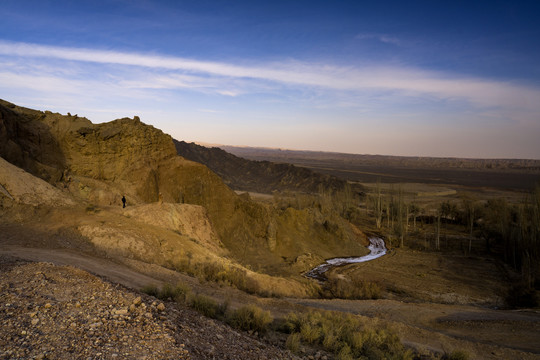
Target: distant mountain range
[(258, 176), (513, 174), (309, 157)]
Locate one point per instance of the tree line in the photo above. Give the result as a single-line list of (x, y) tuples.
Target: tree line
[(494, 226)]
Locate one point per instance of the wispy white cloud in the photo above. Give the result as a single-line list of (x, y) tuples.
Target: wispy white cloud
[(384, 38), (76, 73), (233, 80)]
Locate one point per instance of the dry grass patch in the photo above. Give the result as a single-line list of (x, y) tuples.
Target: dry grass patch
[(227, 273), (178, 292), (347, 336), (457, 355), (207, 306), (339, 287), (250, 318)]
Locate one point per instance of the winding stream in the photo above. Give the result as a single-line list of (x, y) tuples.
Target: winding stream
[(377, 249)]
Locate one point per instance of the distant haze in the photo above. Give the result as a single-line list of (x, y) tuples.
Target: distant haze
[(398, 78)]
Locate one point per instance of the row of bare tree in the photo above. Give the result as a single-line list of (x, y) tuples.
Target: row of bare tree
[(509, 230)]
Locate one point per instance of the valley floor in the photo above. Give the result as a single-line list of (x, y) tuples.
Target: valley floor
[(486, 333)]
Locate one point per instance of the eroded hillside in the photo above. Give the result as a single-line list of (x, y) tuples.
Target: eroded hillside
[(97, 164)]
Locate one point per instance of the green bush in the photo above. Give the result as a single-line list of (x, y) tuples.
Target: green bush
[(206, 306), (250, 317), (150, 289), (178, 293)]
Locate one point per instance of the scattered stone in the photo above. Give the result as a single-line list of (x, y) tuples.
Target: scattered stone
[(116, 323), (68, 325)]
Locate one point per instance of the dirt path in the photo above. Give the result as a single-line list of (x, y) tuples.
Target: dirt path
[(130, 273), (112, 271)]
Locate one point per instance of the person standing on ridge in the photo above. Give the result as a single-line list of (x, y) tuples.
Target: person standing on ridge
[(123, 201)]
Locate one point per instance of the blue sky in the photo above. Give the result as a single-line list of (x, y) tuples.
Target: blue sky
[(428, 78)]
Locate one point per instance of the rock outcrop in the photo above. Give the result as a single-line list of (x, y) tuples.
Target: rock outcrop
[(19, 187), (102, 162)]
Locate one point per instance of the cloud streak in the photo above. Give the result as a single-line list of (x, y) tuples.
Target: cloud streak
[(380, 37), (185, 73)]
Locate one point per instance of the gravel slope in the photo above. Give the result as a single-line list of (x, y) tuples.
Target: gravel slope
[(61, 312)]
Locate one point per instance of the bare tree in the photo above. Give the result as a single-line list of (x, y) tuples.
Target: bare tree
[(415, 211), (438, 239), (470, 215), (378, 206)]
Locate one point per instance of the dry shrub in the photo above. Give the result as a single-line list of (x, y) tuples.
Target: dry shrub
[(178, 293), (293, 342), (354, 289), (250, 318), (228, 275), (345, 353), (206, 306), (347, 336), (310, 333), (151, 289), (457, 355)]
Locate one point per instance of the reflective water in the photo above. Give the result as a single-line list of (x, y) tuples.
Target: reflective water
[(377, 249)]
